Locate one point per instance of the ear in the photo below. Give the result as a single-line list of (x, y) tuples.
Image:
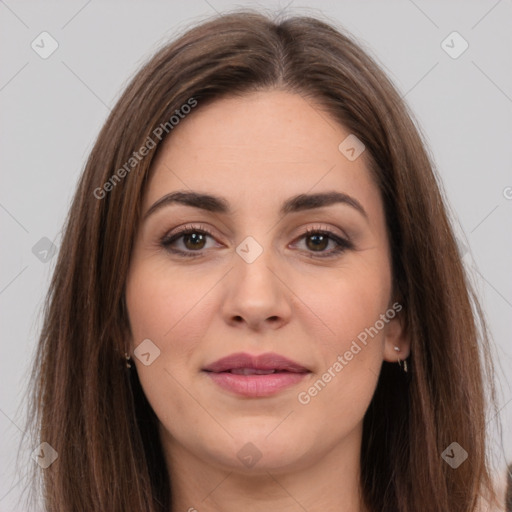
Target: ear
[(396, 335)]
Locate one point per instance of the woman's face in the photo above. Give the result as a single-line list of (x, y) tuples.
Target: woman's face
[(248, 280)]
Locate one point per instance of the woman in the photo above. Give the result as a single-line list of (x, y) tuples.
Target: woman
[(259, 300)]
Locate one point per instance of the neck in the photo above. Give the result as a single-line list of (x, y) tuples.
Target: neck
[(330, 482)]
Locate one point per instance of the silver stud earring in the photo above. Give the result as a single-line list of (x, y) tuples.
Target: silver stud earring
[(127, 360)]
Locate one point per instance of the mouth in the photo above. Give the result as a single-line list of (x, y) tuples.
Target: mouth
[(253, 371), (262, 364), (255, 376)]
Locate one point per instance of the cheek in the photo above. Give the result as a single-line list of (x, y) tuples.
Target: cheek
[(162, 305), (354, 314), (353, 304), (164, 309)]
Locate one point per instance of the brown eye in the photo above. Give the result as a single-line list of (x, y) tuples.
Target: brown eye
[(189, 241), (319, 242), (194, 240)]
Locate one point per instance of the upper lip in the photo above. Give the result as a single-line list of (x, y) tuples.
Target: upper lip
[(268, 361)]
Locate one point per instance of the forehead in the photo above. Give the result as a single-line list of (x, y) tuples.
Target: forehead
[(265, 144)]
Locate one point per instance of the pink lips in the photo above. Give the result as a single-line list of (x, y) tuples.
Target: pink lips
[(255, 376)]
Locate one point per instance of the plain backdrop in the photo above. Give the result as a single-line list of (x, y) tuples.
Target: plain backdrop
[(52, 109)]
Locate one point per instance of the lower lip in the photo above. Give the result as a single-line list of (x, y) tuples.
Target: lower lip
[(256, 385)]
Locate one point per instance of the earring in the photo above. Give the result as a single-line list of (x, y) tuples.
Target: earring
[(397, 349), (127, 360)]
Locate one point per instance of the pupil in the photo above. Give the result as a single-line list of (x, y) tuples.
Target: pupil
[(319, 238), (196, 239)]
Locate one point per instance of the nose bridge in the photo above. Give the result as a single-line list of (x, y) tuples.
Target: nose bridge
[(254, 260), (255, 292)]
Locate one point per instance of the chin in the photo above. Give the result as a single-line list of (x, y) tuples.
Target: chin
[(262, 448)]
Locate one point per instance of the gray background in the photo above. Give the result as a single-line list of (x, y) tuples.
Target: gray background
[(52, 110)]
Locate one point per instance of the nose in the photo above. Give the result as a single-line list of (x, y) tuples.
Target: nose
[(258, 295)]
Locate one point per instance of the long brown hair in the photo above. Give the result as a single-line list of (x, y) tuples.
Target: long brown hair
[(93, 411)]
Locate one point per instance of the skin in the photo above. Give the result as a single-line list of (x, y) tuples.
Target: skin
[(257, 151)]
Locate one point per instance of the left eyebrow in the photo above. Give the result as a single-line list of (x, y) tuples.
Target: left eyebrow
[(217, 204), (303, 202)]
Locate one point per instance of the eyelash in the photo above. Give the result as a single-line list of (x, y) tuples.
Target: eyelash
[(342, 243)]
